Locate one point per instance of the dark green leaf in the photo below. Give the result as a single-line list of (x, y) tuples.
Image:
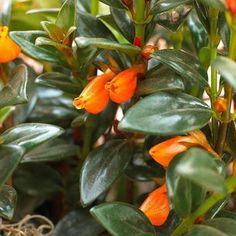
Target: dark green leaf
[(227, 214), (166, 5), (4, 113), (30, 135), (218, 4), (102, 167), (15, 92), (5, 11), (77, 223), (225, 225), (200, 230), (224, 30), (26, 40), (226, 68), (54, 150), (123, 219), (129, 49), (37, 179), (8, 197), (200, 167), (184, 64), (166, 114)]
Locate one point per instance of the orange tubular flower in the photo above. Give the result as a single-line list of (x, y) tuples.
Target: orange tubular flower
[(164, 152), (9, 50), (231, 6), (94, 97), (156, 206), (122, 87), (220, 105)]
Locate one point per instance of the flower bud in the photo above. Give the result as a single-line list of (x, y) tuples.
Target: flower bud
[(148, 50), (9, 50), (94, 97), (220, 105), (156, 206)]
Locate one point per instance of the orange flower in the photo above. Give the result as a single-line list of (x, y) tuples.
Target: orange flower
[(156, 206), (9, 50), (221, 104), (164, 152), (148, 50), (94, 97), (122, 87), (231, 6)]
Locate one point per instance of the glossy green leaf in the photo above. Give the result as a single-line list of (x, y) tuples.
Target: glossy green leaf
[(30, 135), (200, 230), (15, 91), (10, 156), (112, 3), (123, 219), (102, 43), (224, 30), (218, 4), (166, 114), (53, 12), (26, 40), (184, 64), (200, 167), (8, 197), (225, 225), (5, 11), (83, 5), (59, 81), (66, 16), (102, 167), (164, 83), (166, 5), (37, 179), (76, 223), (226, 68), (55, 150), (4, 113), (110, 24), (227, 214)]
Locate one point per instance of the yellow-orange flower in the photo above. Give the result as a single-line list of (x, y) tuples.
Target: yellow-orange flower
[(231, 6), (122, 87), (220, 105), (94, 97), (156, 206), (164, 152), (9, 50)]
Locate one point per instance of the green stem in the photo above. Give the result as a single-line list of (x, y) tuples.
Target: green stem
[(213, 48), (206, 205), (140, 25), (94, 7), (229, 96)]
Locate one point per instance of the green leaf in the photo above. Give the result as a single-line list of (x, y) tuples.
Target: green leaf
[(184, 64), (4, 113), (5, 12), (55, 150), (218, 4), (37, 179), (200, 230), (123, 219), (30, 135), (66, 16), (112, 3), (129, 49), (52, 12), (15, 92), (26, 40), (226, 68), (102, 167), (166, 5), (200, 167), (225, 225), (8, 197), (77, 223), (227, 214), (166, 114), (10, 156), (59, 81)]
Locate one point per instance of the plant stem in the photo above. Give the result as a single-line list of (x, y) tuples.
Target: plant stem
[(3, 75), (213, 48), (94, 7), (228, 96), (206, 205), (140, 19)]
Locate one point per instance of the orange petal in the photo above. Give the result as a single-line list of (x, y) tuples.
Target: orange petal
[(9, 50), (94, 97), (231, 6), (156, 206)]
